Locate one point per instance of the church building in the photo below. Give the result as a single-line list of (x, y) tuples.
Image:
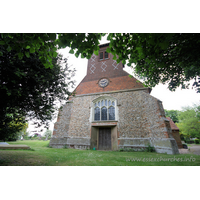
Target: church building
[(111, 110)]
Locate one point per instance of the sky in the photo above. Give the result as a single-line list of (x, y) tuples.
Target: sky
[(170, 100)]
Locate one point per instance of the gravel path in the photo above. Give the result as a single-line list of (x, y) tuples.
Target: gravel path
[(193, 149)]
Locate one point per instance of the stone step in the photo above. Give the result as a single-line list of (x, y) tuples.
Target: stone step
[(14, 147)]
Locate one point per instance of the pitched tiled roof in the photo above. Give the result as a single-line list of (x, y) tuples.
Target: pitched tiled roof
[(172, 124)]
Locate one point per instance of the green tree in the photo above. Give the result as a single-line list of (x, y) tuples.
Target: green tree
[(46, 44), (48, 134), (29, 89), (80, 43), (189, 123), (23, 132), (167, 58), (26, 44), (173, 114), (13, 127)]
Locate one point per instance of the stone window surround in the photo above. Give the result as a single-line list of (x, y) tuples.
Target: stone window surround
[(99, 99)]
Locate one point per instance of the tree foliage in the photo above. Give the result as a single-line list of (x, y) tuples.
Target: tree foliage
[(12, 127), (171, 58), (173, 114), (189, 121), (28, 88), (166, 58), (26, 44), (81, 43), (48, 134)]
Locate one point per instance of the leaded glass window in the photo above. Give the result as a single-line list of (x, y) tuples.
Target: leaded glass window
[(111, 112), (106, 55), (97, 113), (104, 113), (106, 102), (104, 110), (101, 56)]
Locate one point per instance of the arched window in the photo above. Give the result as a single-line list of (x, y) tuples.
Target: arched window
[(104, 113), (104, 109)]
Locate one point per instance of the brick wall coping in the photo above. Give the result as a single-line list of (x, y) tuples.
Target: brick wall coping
[(110, 92)]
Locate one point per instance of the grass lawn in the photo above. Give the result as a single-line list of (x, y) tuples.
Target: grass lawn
[(41, 155)]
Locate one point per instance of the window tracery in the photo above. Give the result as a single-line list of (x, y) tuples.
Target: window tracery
[(104, 109)]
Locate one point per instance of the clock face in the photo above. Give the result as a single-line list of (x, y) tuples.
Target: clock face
[(103, 82)]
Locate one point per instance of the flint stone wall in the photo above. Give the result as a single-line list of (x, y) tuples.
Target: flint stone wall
[(140, 115)]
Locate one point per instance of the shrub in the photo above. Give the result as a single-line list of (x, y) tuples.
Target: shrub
[(127, 150), (26, 137), (182, 137), (187, 140), (150, 148), (35, 138), (196, 141)]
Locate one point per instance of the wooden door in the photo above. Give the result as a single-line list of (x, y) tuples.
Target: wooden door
[(104, 138)]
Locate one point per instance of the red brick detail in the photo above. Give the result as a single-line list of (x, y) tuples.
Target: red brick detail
[(55, 127), (70, 98), (111, 68), (172, 124), (54, 132), (175, 133), (176, 136), (118, 83)]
